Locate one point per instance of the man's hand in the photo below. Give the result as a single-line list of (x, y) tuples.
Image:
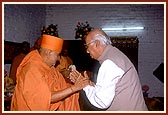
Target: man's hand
[(90, 82), (75, 74), (80, 83)]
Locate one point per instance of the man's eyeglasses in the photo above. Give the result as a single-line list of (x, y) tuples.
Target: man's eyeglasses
[(87, 45)]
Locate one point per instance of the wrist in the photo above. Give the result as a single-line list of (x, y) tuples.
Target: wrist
[(73, 89)]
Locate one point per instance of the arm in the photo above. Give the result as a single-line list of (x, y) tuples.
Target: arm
[(78, 85), (37, 93), (102, 94)]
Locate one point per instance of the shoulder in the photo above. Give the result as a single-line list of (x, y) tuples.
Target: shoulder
[(110, 65), (108, 62)]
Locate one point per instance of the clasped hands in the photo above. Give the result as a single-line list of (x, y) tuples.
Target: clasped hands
[(77, 78)]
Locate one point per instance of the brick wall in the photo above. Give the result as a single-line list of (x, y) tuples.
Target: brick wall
[(24, 22)]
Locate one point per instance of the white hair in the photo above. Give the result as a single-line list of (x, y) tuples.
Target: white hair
[(104, 39)]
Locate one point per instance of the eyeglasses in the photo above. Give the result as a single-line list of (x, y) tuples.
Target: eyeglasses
[(87, 45)]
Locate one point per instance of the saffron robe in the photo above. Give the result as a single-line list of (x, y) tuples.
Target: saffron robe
[(35, 82), (15, 63), (63, 67), (65, 62)]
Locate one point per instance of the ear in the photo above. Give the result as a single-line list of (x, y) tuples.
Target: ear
[(48, 53), (97, 42)]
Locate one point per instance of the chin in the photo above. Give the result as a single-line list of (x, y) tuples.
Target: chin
[(92, 57)]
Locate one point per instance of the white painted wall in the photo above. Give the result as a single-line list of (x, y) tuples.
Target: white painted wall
[(23, 22)]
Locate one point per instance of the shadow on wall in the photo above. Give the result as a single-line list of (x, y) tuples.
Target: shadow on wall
[(159, 72)]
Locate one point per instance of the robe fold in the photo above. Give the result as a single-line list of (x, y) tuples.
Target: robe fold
[(15, 63), (35, 82)]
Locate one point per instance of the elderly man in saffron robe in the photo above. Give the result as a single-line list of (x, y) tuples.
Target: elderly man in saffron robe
[(40, 87)]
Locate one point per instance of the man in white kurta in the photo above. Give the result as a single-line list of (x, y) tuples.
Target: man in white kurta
[(118, 86)]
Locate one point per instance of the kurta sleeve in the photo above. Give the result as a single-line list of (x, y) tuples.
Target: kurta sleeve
[(35, 90), (102, 94)]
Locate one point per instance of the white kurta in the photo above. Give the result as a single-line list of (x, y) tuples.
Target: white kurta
[(102, 94)]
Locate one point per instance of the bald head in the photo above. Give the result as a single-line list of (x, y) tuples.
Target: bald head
[(96, 41), (100, 35), (97, 31)]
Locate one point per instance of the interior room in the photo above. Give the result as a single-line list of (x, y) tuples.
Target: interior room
[(145, 46)]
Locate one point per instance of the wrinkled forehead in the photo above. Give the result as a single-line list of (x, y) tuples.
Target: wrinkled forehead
[(88, 38)]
